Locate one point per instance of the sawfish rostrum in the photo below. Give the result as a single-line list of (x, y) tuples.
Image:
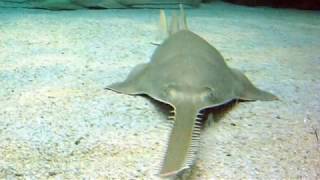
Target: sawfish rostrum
[(190, 75)]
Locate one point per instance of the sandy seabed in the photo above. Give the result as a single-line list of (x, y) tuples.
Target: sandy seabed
[(57, 121)]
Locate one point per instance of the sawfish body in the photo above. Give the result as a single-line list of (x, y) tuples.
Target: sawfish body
[(189, 74)]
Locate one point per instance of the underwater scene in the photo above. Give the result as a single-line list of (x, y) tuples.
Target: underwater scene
[(159, 89)]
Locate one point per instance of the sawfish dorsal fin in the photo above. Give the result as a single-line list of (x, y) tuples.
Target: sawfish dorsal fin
[(178, 22), (163, 24), (183, 19)]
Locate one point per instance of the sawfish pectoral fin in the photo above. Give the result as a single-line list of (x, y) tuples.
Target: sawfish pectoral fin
[(247, 91), (183, 141), (133, 84)]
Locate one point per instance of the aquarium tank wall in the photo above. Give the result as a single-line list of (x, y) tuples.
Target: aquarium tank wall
[(98, 4)]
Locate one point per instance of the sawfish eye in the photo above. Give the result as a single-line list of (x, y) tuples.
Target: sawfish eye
[(169, 90), (209, 93)]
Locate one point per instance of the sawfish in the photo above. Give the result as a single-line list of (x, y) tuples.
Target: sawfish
[(190, 75)]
